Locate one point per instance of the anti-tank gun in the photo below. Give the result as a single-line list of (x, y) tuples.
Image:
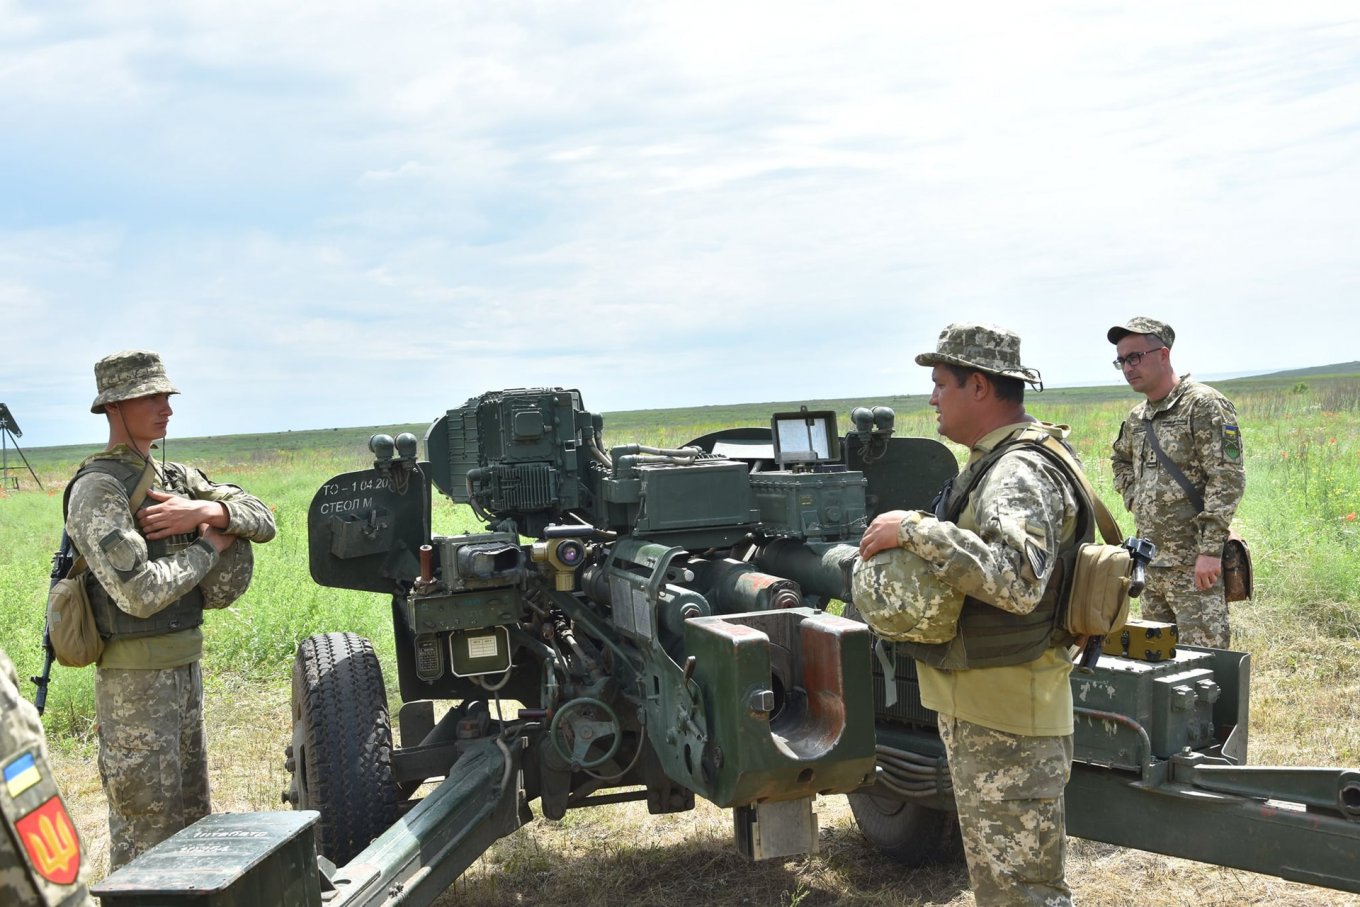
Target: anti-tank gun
[(653, 614)]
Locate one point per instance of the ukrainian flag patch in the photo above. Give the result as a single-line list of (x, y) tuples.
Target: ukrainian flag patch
[(21, 774), (1232, 441)]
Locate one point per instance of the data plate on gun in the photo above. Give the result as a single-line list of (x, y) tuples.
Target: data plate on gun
[(463, 610), (364, 529)]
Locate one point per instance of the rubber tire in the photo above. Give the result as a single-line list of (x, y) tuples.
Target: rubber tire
[(909, 833), (342, 743)]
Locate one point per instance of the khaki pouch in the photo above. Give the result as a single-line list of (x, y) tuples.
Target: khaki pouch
[(1098, 603), (70, 620)]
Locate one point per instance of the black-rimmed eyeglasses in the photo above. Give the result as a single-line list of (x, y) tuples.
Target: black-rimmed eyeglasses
[(1133, 359)]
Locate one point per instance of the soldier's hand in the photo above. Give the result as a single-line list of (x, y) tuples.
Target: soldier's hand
[(174, 515), (1207, 571), (216, 537), (881, 534)]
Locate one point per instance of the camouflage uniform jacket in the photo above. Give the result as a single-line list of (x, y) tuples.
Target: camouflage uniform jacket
[(1002, 552), (39, 847), (1196, 427), (100, 523)]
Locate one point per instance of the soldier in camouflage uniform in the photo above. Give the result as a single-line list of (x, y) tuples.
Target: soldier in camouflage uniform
[(1196, 428), (1000, 687), (154, 572), (39, 847)]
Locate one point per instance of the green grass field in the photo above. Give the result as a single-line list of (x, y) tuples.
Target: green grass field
[(1302, 443)]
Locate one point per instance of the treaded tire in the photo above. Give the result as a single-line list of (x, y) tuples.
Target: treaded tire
[(911, 834), (342, 743)]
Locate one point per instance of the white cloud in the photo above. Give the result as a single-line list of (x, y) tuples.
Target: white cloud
[(387, 210)]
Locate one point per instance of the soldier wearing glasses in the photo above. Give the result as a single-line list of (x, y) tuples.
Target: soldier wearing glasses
[(1195, 428)]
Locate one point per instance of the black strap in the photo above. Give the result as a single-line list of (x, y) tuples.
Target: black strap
[(1191, 492)]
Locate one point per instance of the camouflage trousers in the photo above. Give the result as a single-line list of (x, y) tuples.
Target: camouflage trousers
[(1008, 790), (1201, 618), (152, 756)]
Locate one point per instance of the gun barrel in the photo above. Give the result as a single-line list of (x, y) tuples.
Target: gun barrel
[(820, 568)]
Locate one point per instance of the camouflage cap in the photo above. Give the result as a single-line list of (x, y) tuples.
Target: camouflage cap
[(902, 600), (984, 347), (1142, 325), (127, 375)]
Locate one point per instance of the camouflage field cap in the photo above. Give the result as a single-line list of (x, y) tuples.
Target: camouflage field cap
[(984, 347), (902, 601), (127, 375), (1142, 325)]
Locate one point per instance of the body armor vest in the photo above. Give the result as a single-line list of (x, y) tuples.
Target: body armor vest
[(113, 622), (988, 636)]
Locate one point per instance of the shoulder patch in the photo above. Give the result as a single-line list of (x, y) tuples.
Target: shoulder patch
[(126, 552), (50, 842), (1232, 441)]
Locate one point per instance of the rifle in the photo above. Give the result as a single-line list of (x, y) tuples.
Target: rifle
[(62, 561)]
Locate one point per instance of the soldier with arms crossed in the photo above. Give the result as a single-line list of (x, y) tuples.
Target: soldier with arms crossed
[(1004, 533), (153, 574), (1184, 434)]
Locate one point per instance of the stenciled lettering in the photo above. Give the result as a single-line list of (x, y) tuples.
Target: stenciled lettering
[(349, 505)]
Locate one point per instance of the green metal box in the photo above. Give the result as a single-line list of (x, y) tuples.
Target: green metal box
[(708, 504), (826, 506), (224, 860), (1171, 701)]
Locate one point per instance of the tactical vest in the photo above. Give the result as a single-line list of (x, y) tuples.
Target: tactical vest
[(989, 637), (113, 622)]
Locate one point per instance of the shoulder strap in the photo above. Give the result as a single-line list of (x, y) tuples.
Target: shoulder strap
[(1191, 492), (143, 486), (1109, 527), (135, 499)]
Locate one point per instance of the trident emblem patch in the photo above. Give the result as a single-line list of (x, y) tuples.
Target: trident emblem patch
[(51, 842)]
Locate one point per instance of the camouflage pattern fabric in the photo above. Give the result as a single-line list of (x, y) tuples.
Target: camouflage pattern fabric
[(27, 795), (1201, 618), (1003, 548), (104, 530), (127, 375), (1141, 324), (1009, 793), (985, 347), (900, 599), (1197, 429), (152, 755)]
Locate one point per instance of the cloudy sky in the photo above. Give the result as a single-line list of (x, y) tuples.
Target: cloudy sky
[(338, 213)]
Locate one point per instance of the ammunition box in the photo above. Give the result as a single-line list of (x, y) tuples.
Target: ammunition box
[(1148, 640), (224, 860), (1116, 643)]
